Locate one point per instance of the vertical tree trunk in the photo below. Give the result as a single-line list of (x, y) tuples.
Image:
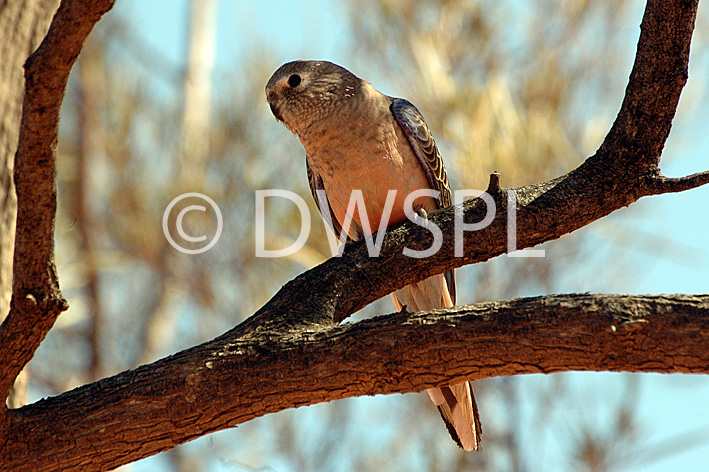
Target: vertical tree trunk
[(201, 47), (23, 25)]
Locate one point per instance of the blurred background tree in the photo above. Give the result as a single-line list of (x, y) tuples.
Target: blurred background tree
[(527, 89)]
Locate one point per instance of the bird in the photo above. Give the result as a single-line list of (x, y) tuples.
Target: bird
[(357, 138)]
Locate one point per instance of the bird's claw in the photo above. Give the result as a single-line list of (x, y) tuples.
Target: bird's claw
[(421, 212)]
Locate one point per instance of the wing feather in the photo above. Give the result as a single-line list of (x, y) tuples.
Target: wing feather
[(316, 183), (424, 147)]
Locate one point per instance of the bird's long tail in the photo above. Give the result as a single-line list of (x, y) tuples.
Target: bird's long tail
[(457, 406), (456, 403)]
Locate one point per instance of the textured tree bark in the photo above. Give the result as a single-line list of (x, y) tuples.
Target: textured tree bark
[(23, 25), (292, 352), (252, 372), (36, 299)]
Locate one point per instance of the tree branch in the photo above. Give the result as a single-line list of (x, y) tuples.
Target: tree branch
[(624, 169), (250, 373), (661, 184), (36, 299), (292, 352)]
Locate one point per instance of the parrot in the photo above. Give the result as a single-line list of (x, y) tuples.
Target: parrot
[(358, 139)]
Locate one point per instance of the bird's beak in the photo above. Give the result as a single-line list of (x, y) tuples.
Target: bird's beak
[(275, 111), (272, 99)]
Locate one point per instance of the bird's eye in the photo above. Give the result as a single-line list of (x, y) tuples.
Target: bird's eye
[(294, 80)]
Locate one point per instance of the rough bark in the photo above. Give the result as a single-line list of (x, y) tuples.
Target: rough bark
[(250, 373), (23, 24), (292, 352), (36, 299)]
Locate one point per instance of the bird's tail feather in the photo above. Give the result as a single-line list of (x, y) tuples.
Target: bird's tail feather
[(456, 403), (457, 406)]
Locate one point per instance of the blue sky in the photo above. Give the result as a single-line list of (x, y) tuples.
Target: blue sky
[(676, 225)]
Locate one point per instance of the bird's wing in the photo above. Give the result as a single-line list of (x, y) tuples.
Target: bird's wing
[(425, 149), (423, 145), (315, 182)]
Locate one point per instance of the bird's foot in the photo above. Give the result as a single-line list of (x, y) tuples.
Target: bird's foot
[(421, 212)]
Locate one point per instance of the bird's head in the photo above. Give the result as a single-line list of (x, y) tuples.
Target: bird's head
[(301, 93)]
